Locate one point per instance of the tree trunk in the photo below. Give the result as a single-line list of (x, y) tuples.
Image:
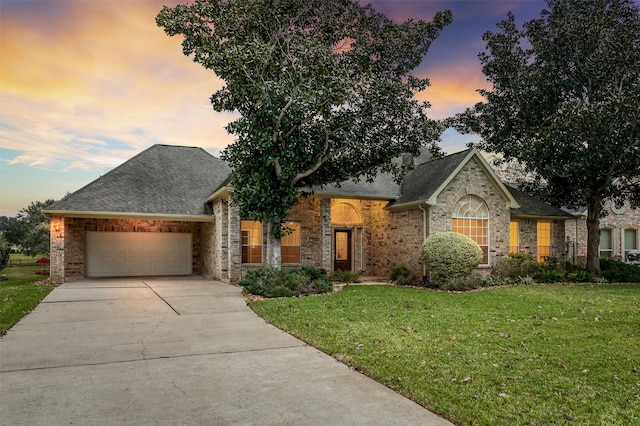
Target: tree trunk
[(274, 249), (594, 207)]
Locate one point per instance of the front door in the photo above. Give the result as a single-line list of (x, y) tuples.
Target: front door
[(342, 244)]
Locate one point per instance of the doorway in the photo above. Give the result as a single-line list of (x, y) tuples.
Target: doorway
[(342, 256)]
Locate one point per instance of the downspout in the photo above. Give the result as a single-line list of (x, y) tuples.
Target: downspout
[(424, 233)]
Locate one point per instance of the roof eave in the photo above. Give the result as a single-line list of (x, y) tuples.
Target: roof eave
[(539, 217), (129, 215), (222, 192), (327, 194)]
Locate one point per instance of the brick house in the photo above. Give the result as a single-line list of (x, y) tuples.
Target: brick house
[(167, 211), (619, 232)]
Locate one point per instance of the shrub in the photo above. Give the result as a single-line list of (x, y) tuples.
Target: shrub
[(345, 277), (450, 257), (270, 282), (553, 276), (402, 275), (615, 271), (517, 265)]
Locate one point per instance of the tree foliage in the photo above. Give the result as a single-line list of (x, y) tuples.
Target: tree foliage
[(5, 252), (566, 103), (29, 229), (323, 88)]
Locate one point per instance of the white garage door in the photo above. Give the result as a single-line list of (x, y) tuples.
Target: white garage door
[(129, 254)]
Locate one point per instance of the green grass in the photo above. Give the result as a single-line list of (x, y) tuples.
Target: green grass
[(536, 355), (20, 294)]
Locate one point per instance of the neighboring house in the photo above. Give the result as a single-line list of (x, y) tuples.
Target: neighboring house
[(619, 232), (167, 211)]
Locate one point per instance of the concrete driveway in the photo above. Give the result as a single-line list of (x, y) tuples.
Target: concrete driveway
[(179, 351)]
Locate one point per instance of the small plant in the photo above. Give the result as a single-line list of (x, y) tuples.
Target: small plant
[(526, 280), (450, 258), (580, 276), (552, 276), (498, 281), (402, 275), (345, 277), (462, 284)]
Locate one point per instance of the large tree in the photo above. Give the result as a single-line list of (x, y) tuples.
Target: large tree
[(324, 90), (565, 102)]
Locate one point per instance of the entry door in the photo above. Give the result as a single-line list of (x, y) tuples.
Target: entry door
[(342, 244)]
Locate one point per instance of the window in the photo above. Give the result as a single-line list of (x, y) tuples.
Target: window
[(544, 240), (251, 241), (344, 213), (606, 244), (630, 241), (291, 243), (514, 236), (471, 218)]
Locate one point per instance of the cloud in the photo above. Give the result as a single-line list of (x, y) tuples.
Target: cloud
[(70, 87)]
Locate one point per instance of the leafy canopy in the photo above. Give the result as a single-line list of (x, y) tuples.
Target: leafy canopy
[(323, 88), (566, 102)]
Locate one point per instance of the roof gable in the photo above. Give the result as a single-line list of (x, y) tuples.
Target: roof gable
[(162, 180), (425, 183)]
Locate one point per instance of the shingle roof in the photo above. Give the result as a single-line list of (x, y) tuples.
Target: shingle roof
[(383, 187), (532, 207), (178, 180), (163, 180), (423, 181)]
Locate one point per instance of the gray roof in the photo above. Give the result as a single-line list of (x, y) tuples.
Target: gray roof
[(383, 187), (178, 180), (423, 181), (532, 207), (162, 180)]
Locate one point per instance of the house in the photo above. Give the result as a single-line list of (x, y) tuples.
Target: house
[(619, 232), (167, 211)]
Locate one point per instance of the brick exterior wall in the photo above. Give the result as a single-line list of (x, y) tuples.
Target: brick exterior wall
[(617, 220), (472, 180)]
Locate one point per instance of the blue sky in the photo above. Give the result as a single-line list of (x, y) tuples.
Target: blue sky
[(85, 85)]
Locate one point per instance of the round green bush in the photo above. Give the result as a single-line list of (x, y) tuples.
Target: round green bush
[(450, 256)]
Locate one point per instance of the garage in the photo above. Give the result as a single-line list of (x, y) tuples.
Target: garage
[(135, 254)]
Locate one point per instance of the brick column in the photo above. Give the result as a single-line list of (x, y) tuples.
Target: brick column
[(221, 240), (235, 244), (325, 229), (56, 250)]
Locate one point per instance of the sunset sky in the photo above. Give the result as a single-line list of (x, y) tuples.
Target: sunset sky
[(87, 84)]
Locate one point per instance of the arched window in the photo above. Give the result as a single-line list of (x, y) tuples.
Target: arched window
[(471, 218), (345, 214)]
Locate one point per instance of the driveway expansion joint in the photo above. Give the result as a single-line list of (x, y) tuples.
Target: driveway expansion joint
[(161, 298), (160, 357)]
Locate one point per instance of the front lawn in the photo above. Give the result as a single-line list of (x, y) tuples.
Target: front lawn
[(20, 293), (537, 355)]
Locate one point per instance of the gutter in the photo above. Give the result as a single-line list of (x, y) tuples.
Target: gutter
[(128, 215)]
